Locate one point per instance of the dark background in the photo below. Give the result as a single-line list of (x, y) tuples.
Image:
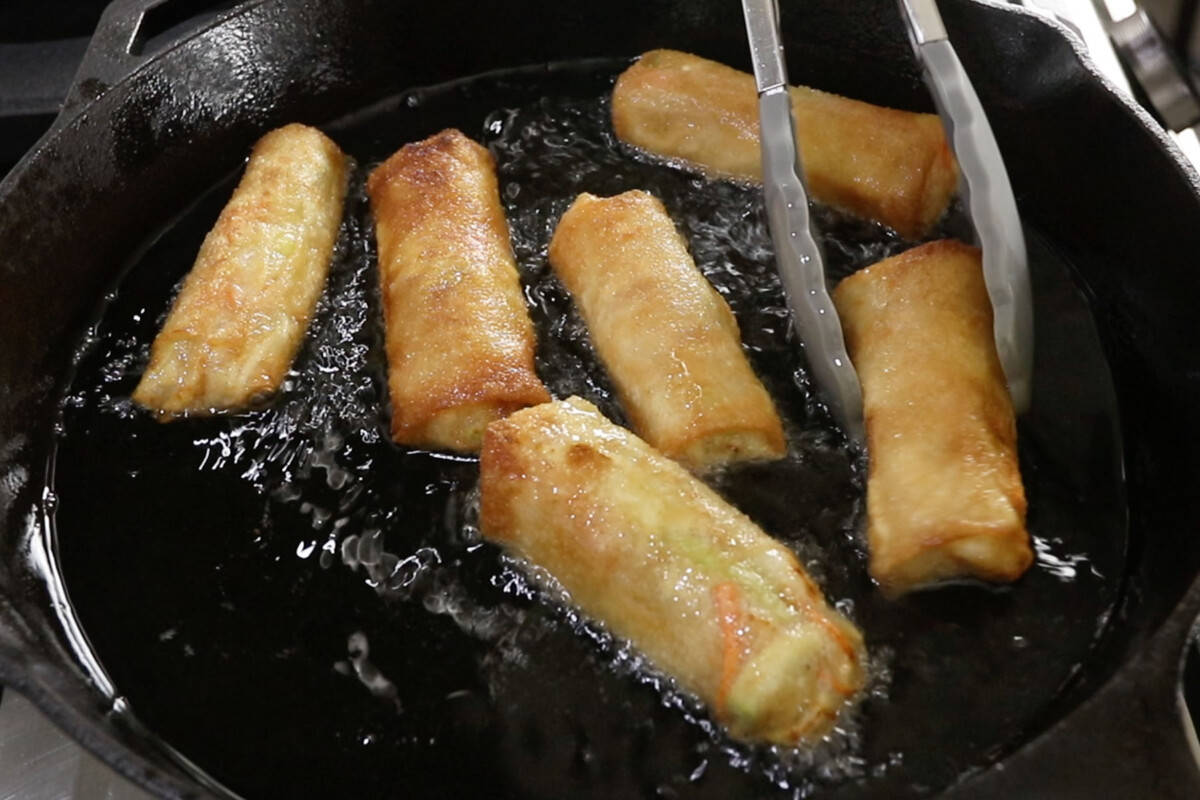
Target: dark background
[(34, 20)]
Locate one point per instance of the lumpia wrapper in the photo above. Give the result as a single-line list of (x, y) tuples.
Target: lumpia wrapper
[(666, 337), (944, 492), (646, 548), (460, 344), (884, 164), (244, 308)]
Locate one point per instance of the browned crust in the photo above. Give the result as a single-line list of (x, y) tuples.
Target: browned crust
[(881, 163), (944, 495), (240, 317), (654, 99), (936, 190), (667, 338), (460, 343), (500, 466), (662, 560)]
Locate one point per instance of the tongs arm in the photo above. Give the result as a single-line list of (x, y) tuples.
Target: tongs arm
[(797, 254), (987, 191)]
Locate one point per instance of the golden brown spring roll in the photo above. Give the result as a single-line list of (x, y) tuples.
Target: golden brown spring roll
[(668, 339), (663, 561), (459, 340), (242, 313), (944, 493), (880, 163)]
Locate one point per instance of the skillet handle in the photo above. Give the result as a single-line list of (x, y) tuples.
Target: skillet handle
[(115, 49), (1132, 739), (110, 54), (59, 76)]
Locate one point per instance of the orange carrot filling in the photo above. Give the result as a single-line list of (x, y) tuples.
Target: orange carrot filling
[(728, 601)]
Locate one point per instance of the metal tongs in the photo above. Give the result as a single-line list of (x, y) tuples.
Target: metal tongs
[(984, 185)]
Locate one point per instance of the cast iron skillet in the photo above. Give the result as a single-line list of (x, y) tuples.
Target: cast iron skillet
[(129, 153)]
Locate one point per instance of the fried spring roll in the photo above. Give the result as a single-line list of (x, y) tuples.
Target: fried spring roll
[(668, 339), (880, 163), (944, 493), (460, 343), (244, 308), (663, 561)]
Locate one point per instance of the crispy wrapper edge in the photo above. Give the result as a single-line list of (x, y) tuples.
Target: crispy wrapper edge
[(460, 343)]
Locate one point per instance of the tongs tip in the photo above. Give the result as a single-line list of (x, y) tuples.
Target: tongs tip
[(988, 193)]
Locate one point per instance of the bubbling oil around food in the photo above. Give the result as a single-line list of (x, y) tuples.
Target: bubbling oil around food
[(310, 535)]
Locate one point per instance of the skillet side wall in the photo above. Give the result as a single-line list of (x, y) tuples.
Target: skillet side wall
[(1084, 168), (1126, 214)]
